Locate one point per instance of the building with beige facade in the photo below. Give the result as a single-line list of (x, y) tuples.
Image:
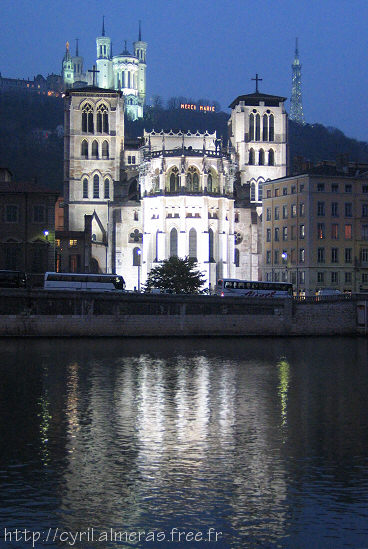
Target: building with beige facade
[(315, 229)]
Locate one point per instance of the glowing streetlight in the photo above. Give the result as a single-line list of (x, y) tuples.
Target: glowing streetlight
[(139, 253)]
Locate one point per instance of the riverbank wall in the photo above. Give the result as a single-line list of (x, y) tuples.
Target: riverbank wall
[(81, 314)]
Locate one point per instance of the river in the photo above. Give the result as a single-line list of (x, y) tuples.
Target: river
[(216, 443)]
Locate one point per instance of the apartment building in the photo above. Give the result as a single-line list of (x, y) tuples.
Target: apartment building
[(315, 229)]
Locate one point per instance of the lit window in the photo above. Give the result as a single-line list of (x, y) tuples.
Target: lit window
[(321, 230), (284, 233), (348, 232), (301, 255), (73, 243), (301, 209), (302, 231), (293, 210)]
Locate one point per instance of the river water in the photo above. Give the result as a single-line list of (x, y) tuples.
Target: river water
[(262, 442)]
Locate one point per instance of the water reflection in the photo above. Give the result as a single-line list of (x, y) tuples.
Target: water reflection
[(255, 438)]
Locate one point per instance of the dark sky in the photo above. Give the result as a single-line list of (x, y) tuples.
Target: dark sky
[(210, 48)]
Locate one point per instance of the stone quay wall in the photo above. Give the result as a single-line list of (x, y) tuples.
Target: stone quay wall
[(52, 313)]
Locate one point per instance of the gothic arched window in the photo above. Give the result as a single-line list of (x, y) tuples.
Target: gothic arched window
[(105, 149), (265, 127), (251, 157), (211, 255), (96, 186), (209, 183), (258, 127), (174, 180), (236, 257), (85, 188), (136, 257), (253, 192), (192, 179), (271, 136), (106, 188), (102, 119), (193, 244), (271, 157), (173, 243), (84, 149), (260, 191), (87, 118), (261, 157), (251, 127), (95, 149)]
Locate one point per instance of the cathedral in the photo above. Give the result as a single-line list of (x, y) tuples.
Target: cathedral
[(125, 72), (173, 194)]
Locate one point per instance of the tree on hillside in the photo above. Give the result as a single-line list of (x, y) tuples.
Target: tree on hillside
[(176, 274)]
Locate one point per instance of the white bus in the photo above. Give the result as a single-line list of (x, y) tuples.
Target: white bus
[(249, 288), (84, 281)]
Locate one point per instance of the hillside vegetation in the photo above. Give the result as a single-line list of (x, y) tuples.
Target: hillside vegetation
[(31, 136)]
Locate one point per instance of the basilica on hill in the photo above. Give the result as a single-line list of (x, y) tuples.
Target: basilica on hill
[(172, 193), (125, 71)]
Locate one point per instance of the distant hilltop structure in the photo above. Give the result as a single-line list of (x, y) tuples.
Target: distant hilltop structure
[(51, 85), (296, 104), (124, 72)]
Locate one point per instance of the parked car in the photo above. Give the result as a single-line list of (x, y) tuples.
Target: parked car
[(328, 292)]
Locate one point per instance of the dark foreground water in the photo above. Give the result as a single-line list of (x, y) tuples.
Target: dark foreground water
[(262, 442)]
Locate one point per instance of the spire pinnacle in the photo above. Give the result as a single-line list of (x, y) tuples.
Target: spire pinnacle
[(76, 47), (296, 48), (103, 25), (140, 32)]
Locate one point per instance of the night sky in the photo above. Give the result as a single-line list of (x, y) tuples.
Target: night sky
[(210, 48)]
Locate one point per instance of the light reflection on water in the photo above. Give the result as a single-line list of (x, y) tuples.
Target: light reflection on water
[(263, 439)]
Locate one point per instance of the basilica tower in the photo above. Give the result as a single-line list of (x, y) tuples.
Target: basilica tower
[(103, 60), (140, 51), (67, 70)]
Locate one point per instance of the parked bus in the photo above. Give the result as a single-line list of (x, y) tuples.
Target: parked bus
[(249, 288), (84, 281), (13, 279)]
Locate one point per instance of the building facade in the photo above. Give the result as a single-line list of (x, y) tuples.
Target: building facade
[(124, 72), (315, 230), (27, 226)]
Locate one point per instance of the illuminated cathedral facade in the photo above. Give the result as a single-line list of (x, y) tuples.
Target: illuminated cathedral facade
[(175, 193)]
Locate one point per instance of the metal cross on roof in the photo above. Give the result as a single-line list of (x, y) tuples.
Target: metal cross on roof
[(95, 71), (257, 80)]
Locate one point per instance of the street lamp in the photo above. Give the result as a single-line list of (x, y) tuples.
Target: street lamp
[(284, 256), (139, 253)]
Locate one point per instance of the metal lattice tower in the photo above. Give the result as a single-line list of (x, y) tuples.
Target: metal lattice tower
[(296, 105)]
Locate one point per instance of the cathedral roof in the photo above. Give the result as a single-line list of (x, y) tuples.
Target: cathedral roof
[(253, 99), (90, 89)]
